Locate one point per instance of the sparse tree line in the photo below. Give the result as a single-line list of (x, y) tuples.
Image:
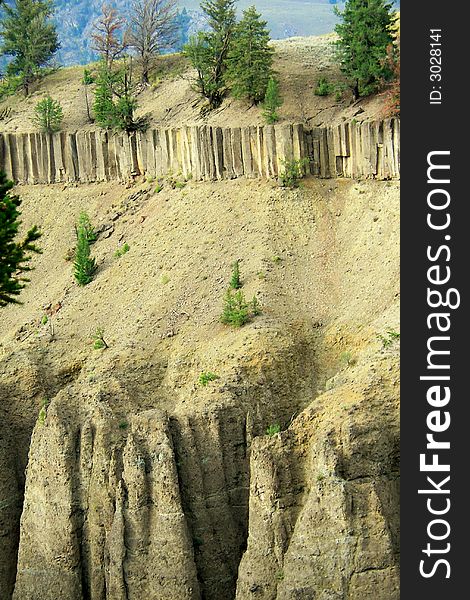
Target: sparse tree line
[(230, 57)]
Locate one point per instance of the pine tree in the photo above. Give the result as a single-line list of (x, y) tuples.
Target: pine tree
[(29, 37), (84, 266), (272, 101), (48, 115), (103, 106), (14, 255), (115, 100), (365, 33), (87, 80), (208, 51), (251, 57)]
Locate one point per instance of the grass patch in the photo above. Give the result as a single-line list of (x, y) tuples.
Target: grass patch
[(206, 377), (122, 250), (273, 429), (389, 338)]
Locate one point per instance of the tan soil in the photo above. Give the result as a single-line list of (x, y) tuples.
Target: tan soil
[(171, 100)]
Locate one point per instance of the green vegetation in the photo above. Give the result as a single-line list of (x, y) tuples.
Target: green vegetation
[(85, 223), (323, 88), (115, 99), (48, 115), (9, 86), (294, 171), (346, 358), (237, 311), (84, 265), (123, 425), (365, 34), (209, 50), (250, 58), (389, 338), (124, 249), (235, 282), (43, 411), (14, 255), (87, 81), (206, 377), (273, 429), (28, 37), (99, 342), (272, 101)]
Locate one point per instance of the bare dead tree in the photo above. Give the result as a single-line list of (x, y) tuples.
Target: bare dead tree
[(152, 28), (106, 36)]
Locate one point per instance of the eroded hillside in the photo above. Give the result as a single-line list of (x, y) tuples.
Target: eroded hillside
[(141, 482), (172, 101)]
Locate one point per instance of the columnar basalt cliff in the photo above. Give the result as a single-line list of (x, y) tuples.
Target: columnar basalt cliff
[(368, 150)]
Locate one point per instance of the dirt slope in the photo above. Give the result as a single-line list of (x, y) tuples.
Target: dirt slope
[(171, 100), (143, 483)]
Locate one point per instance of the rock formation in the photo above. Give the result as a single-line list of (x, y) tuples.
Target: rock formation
[(354, 150)]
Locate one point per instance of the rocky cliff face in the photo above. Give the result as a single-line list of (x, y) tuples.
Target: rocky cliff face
[(137, 482), (354, 150)]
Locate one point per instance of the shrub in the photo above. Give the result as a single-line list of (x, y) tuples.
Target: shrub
[(43, 411), (272, 101), (98, 340), (237, 311), (206, 377), (323, 87), (388, 339), (346, 358), (9, 86), (122, 250), (235, 282), (293, 172), (273, 429), (84, 265), (48, 115)]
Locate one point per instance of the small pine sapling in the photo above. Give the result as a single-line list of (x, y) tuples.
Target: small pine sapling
[(84, 265), (48, 115), (272, 101), (235, 282), (237, 311), (84, 221)]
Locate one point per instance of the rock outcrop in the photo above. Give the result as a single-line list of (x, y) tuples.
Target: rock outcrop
[(355, 150), (122, 477)]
